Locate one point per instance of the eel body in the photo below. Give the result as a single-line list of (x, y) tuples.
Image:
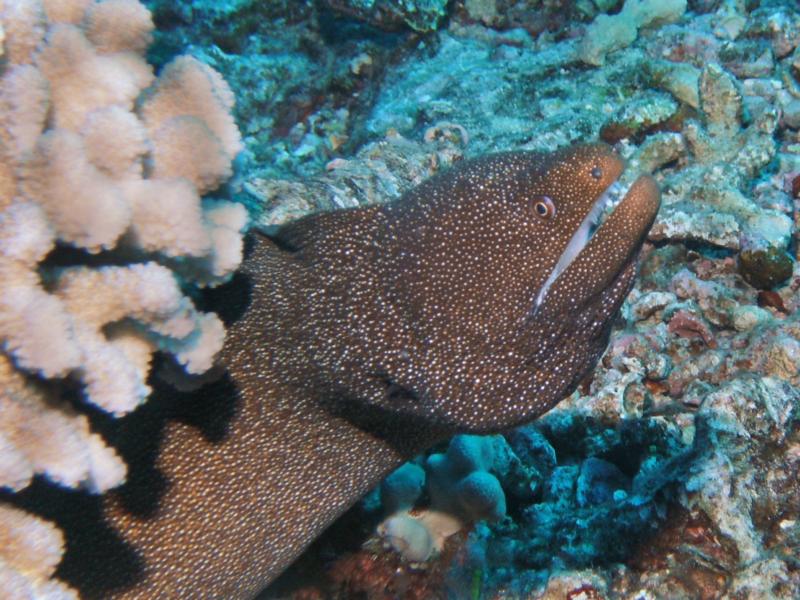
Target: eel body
[(474, 303)]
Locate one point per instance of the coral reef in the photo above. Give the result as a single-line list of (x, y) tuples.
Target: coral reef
[(534, 16), (705, 201), (461, 486), (672, 473), (609, 33), (420, 15), (379, 172), (464, 480), (102, 232), (302, 74)]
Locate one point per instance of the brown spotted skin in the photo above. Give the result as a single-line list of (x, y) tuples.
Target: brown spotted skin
[(371, 334)]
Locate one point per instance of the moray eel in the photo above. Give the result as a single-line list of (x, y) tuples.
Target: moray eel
[(473, 303)]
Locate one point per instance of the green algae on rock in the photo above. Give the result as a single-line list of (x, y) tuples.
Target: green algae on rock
[(765, 268)]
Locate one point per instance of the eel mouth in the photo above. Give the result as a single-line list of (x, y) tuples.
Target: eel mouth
[(612, 230)]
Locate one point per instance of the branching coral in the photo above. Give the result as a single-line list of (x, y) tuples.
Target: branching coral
[(99, 157), (29, 552)]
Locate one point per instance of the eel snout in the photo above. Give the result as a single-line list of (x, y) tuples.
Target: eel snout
[(606, 244)]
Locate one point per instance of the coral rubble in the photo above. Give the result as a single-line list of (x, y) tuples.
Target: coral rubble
[(420, 15)]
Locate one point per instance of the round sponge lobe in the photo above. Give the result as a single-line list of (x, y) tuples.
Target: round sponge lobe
[(481, 496), (401, 489)]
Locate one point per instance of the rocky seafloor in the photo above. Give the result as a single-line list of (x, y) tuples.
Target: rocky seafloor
[(673, 472)]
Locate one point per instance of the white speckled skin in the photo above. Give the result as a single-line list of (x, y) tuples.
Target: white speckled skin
[(371, 334)]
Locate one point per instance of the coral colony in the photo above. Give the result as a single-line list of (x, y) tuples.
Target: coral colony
[(99, 156)]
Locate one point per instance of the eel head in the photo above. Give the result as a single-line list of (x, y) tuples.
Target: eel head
[(484, 296), (357, 338)]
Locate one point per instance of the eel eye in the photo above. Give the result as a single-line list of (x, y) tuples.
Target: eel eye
[(544, 207), (597, 173)]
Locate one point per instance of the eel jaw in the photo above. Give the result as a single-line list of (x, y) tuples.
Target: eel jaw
[(597, 215), (606, 241)]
